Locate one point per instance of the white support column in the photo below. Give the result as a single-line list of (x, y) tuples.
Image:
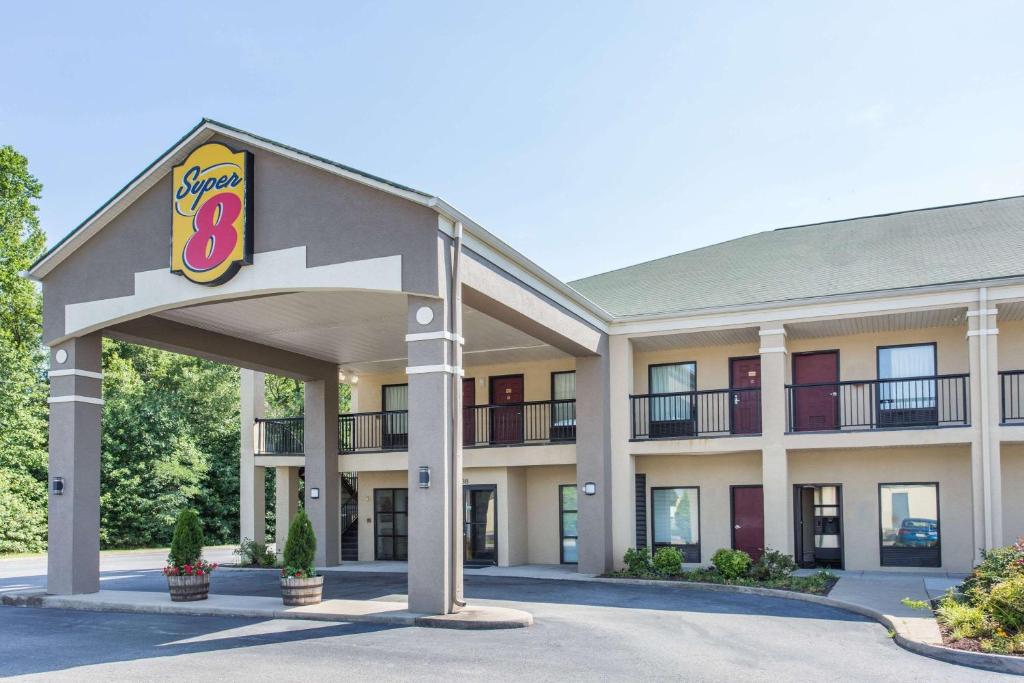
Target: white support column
[(986, 466), (774, 460), (433, 581), (623, 483), (252, 492), (76, 409), (286, 498), (320, 444)]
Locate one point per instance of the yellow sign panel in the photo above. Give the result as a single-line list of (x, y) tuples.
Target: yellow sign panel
[(211, 229)]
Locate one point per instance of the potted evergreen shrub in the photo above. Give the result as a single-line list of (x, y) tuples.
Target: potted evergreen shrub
[(188, 574), (300, 584)]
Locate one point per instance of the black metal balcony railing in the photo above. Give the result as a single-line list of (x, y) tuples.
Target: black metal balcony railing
[(1011, 384), (530, 422), (717, 412), (279, 436), (931, 401)]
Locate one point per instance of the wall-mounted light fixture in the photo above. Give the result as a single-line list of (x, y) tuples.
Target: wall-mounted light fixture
[(314, 493), (590, 488), (424, 477), (57, 486), (353, 379)]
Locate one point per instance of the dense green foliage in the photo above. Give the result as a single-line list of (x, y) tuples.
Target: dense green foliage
[(668, 560), (22, 385), (300, 548), (255, 554), (772, 570), (187, 543), (988, 613), (731, 564)]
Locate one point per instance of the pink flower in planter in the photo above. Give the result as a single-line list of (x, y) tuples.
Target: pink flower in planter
[(199, 572)]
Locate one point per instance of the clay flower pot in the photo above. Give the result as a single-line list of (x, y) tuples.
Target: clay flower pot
[(295, 592), (187, 588)]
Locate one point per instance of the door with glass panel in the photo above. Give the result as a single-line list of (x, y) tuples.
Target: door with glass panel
[(568, 512), (819, 534), (673, 408), (395, 418), (391, 524), (675, 519), (563, 406), (480, 524), (906, 386)]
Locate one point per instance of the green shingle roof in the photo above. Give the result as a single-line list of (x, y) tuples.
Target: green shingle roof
[(964, 242)]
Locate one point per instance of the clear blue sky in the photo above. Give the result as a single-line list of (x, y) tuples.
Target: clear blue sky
[(590, 136)]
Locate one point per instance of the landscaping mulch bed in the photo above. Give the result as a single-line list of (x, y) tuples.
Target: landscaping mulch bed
[(968, 644)]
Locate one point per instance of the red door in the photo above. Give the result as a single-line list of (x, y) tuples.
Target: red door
[(816, 407), (745, 373), (748, 520), (468, 412), (507, 423)]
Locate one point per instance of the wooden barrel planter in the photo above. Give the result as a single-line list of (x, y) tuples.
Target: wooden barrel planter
[(189, 588), (296, 592)]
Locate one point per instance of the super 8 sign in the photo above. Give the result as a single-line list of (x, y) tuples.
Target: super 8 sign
[(211, 227)]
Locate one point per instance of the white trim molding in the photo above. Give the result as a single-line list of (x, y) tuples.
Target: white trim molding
[(76, 372), (989, 311), (75, 398), (427, 369), (440, 334), (772, 349), (768, 333), (982, 333)]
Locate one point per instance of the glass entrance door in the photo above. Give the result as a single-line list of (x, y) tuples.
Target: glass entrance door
[(480, 524), (819, 534)]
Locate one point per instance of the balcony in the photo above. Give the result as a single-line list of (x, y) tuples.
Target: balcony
[(1011, 385), (907, 402), (512, 424), (691, 414)]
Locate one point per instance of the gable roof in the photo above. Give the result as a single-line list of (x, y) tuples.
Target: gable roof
[(200, 133), (942, 245)]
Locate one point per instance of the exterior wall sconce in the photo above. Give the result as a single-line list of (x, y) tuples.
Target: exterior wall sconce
[(57, 486), (314, 493), (590, 488), (424, 477)]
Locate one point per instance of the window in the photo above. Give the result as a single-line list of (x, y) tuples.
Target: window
[(909, 520), (391, 524), (895, 362), (395, 425), (672, 415), (563, 415), (568, 511), (675, 520)]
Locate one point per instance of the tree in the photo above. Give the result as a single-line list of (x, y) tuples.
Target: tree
[(22, 385)]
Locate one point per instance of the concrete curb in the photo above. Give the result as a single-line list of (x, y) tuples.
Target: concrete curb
[(471, 618), (1007, 664)]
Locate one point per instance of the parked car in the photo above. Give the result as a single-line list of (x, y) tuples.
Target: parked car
[(918, 531)]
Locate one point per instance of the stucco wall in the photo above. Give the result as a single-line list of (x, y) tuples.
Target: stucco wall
[(1011, 344), (712, 364), (714, 474), (1013, 491), (861, 471), (536, 380), (858, 352), (368, 481), (542, 515)]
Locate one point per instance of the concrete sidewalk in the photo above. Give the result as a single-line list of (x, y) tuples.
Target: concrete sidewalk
[(388, 612)]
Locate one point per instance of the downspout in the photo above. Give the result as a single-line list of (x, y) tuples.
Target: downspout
[(455, 312)]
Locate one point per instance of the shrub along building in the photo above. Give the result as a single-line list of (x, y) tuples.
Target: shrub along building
[(836, 391)]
